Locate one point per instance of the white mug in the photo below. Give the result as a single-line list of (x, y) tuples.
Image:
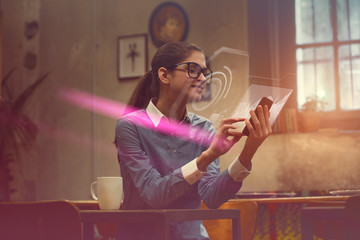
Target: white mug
[(109, 192)]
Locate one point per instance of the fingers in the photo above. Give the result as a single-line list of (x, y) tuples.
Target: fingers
[(227, 129), (261, 122), (224, 139), (255, 124), (268, 124), (224, 129), (231, 120), (235, 132), (250, 127)]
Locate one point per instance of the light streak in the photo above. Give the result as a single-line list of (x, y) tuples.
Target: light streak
[(115, 110)]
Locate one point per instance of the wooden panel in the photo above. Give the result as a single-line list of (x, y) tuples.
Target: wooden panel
[(221, 229), (1, 52)]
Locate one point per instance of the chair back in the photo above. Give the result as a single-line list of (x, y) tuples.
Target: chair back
[(44, 220), (352, 218), (222, 229)]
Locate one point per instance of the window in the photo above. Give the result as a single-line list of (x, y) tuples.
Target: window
[(328, 53)]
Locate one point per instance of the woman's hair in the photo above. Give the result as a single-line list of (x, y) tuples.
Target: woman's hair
[(167, 55)]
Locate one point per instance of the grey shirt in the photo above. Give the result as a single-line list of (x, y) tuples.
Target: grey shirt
[(151, 162)]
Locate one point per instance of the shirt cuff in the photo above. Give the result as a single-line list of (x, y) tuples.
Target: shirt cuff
[(237, 171), (191, 173)]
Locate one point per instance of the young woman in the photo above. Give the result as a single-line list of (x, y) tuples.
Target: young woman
[(166, 160)]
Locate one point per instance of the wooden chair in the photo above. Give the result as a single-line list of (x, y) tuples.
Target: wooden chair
[(44, 220), (222, 230), (352, 218), (336, 222)]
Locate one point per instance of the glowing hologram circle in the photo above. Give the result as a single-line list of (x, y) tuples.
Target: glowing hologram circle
[(220, 94), (195, 106), (230, 78)]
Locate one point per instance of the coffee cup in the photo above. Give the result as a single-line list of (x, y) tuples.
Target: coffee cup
[(108, 192)]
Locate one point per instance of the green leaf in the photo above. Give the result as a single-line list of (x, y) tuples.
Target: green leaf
[(6, 78), (20, 101)]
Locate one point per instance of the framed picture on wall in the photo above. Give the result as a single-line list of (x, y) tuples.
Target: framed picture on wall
[(132, 56), (168, 23)]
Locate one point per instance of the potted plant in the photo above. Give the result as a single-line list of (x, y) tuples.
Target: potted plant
[(16, 131), (310, 115)]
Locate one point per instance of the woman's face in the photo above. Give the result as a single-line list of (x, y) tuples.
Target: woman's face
[(182, 85)]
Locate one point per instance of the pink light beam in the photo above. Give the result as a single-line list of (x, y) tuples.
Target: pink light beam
[(115, 110)]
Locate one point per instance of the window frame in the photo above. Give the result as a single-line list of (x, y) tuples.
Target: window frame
[(334, 118), (272, 56)]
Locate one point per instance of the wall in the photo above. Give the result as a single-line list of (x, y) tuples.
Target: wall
[(60, 164), (77, 44), (305, 162)]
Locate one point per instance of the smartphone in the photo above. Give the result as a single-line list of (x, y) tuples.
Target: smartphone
[(264, 101)]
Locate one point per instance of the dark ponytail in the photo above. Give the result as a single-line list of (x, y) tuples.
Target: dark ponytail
[(167, 55), (146, 89)]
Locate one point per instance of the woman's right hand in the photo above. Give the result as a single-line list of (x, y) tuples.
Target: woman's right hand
[(222, 143), (224, 139)]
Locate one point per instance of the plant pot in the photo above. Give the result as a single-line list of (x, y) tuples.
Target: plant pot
[(310, 121)]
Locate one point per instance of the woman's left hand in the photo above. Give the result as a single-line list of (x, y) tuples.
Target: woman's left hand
[(261, 128)]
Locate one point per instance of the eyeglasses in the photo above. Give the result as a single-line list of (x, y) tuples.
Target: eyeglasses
[(194, 70)]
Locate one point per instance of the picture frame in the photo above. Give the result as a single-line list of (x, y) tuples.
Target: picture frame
[(132, 56), (168, 23)]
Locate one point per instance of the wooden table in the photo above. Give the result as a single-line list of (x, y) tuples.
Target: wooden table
[(320, 200), (160, 218), (271, 204)]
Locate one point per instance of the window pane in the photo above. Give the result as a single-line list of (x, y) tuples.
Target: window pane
[(325, 81), (305, 76), (348, 11), (315, 75), (349, 72), (303, 19), (323, 30), (313, 22)]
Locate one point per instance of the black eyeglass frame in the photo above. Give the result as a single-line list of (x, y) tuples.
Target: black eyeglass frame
[(202, 70)]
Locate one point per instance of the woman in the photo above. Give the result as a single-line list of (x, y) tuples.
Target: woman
[(163, 168)]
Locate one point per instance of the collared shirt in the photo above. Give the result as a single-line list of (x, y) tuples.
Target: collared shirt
[(159, 171), (190, 171)]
